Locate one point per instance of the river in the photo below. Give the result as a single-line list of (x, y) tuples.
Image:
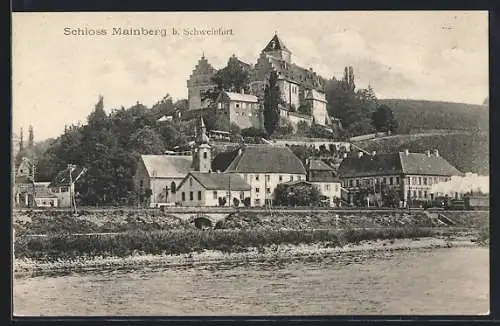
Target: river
[(450, 281)]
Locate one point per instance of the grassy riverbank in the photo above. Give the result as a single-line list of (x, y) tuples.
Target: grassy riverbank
[(347, 253), (55, 242)]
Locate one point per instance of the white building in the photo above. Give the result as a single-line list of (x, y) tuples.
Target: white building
[(212, 189), (263, 167), (325, 179)]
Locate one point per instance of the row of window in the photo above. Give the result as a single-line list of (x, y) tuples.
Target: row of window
[(214, 193), (426, 180), (419, 193), (268, 177), (257, 190), (371, 181), (395, 181)]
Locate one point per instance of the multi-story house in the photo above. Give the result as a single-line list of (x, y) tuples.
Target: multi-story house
[(239, 108), (325, 179), (410, 174), (263, 167)]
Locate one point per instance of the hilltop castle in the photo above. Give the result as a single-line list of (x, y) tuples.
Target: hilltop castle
[(300, 87)]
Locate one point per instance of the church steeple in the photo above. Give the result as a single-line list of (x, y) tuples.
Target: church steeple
[(202, 152)]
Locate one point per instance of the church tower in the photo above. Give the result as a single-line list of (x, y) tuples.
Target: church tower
[(277, 49), (199, 81), (202, 156)]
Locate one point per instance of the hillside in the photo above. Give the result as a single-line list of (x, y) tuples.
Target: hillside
[(467, 151), (415, 115)]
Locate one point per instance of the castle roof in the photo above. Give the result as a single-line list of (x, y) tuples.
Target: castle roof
[(203, 67), (396, 163), (297, 74), (275, 44), (259, 159)]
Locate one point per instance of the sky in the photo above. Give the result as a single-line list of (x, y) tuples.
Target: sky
[(57, 78)]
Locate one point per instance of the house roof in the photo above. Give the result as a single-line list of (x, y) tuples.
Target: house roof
[(418, 163), (240, 97), (396, 163), (218, 181), (62, 178), (167, 166), (275, 44), (323, 176), (319, 165), (260, 159)]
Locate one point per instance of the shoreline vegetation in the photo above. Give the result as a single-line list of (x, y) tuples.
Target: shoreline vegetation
[(167, 241)]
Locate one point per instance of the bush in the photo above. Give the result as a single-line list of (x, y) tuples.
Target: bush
[(247, 202)]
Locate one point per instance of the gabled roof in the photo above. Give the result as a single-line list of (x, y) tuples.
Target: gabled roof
[(62, 178), (319, 165), (324, 176), (260, 159), (218, 181), (418, 163), (396, 163), (240, 97), (167, 166), (275, 44)]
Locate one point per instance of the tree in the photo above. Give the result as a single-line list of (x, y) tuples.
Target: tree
[(361, 127), (297, 195), (146, 141), (98, 115), (236, 202), (253, 132), (383, 119), (31, 138), (232, 78), (272, 98), (285, 127), (234, 129)]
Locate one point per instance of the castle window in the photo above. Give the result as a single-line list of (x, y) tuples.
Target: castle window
[(256, 177), (172, 187), (183, 196), (190, 195), (237, 105), (215, 194), (199, 195), (190, 182), (204, 155), (281, 178), (242, 195), (257, 190)]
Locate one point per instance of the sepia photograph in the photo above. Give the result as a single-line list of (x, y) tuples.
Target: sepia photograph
[(292, 163)]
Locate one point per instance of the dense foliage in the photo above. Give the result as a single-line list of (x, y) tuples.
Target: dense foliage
[(296, 195), (417, 115), (272, 98), (109, 147)]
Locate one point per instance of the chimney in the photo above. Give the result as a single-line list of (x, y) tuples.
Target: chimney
[(360, 154), (428, 152), (407, 152), (436, 153)]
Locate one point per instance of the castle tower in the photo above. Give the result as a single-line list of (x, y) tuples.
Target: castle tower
[(202, 156), (276, 48), (199, 81)]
